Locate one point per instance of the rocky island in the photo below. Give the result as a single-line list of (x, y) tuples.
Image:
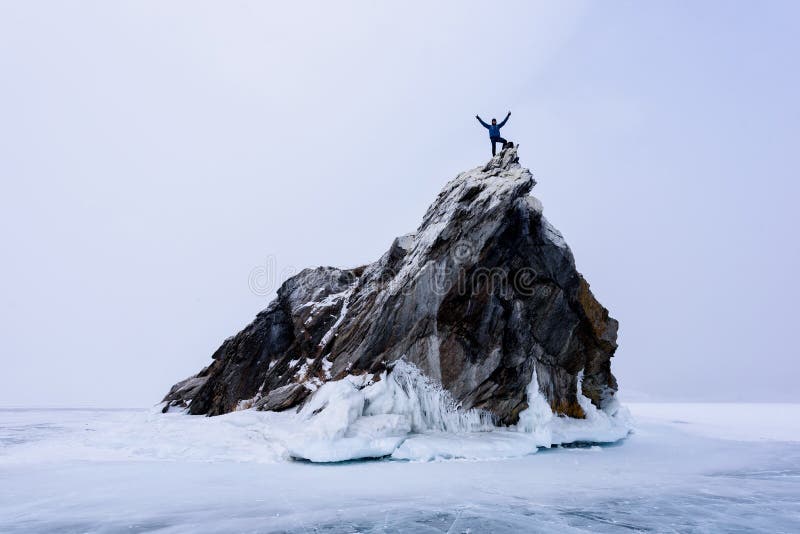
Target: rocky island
[(464, 325)]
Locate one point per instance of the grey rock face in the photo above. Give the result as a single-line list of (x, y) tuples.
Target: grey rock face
[(482, 294)]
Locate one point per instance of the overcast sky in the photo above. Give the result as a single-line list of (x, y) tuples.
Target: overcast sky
[(153, 154)]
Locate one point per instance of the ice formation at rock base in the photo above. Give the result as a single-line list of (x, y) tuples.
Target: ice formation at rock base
[(404, 415)]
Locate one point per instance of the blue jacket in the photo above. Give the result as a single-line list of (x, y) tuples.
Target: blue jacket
[(494, 129)]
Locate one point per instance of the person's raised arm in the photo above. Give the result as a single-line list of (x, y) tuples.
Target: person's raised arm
[(480, 121), (504, 120)]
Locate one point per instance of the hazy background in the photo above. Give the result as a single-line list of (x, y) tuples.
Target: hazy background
[(152, 154)]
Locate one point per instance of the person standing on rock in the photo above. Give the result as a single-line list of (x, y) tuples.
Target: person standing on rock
[(494, 132)]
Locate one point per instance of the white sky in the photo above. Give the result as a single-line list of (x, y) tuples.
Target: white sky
[(152, 154)]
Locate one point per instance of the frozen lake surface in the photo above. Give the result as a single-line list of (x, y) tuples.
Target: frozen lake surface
[(686, 468)]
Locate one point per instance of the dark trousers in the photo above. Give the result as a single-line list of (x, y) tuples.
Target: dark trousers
[(496, 140)]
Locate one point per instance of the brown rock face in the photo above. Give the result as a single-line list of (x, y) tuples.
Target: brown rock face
[(482, 294)]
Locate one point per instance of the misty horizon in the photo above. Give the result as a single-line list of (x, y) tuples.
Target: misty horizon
[(154, 157)]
